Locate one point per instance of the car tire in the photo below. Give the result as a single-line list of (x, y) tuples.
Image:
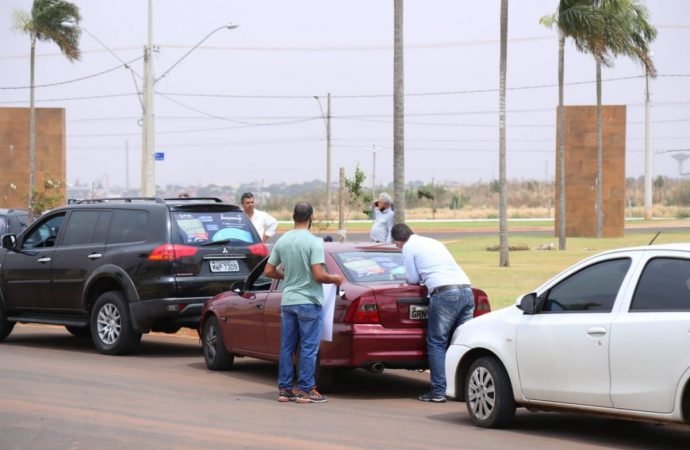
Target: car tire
[(488, 394), (217, 357), (112, 330), (5, 325), (80, 332)]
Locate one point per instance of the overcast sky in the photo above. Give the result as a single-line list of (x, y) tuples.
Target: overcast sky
[(240, 107)]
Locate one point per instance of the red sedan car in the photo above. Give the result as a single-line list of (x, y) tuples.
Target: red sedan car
[(379, 320)]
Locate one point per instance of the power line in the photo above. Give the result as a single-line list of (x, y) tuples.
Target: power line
[(87, 77)]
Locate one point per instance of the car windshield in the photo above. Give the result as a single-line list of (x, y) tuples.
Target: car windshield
[(207, 228), (366, 266)]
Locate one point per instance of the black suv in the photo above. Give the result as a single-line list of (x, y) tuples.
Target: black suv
[(117, 268)]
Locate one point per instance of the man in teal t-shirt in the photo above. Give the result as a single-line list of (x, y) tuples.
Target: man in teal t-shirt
[(302, 256)]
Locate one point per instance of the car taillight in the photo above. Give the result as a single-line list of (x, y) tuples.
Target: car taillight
[(171, 252), (481, 303), (259, 249), (363, 310)]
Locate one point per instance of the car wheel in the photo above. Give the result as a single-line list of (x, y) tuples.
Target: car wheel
[(79, 332), (488, 394), (217, 357), (5, 325), (112, 330)]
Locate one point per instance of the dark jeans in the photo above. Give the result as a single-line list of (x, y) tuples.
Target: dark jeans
[(447, 311)]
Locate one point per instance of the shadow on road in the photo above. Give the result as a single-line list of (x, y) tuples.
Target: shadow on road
[(579, 429), (57, 338), (353, 384)]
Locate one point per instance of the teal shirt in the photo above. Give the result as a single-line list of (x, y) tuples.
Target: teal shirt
[(298, 250)]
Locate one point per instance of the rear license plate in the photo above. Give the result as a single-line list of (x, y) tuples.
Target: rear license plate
[(419, 312), (225, 266)]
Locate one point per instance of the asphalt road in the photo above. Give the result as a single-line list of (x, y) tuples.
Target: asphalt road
[(56, 392)]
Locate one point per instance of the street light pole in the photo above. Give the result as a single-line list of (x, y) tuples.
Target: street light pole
[(148, 176), (327, 120), (647, 155)]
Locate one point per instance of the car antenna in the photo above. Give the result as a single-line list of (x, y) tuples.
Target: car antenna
[(654, 238)]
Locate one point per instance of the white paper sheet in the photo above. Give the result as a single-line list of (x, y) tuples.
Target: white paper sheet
[(329, 291)]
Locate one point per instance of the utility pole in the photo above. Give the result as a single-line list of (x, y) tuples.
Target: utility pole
[(647, 155), (328, 157), (148, 184), (127, 166), (327, 120)]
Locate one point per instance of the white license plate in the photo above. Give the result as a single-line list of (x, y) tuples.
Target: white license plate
[(419, 312), (225, 266)]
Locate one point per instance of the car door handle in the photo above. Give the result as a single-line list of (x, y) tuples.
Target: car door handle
[(43, 260), (258, 306), (95, 256), (596, 331)]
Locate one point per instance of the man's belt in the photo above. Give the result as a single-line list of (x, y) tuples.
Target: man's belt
[(448, 287)]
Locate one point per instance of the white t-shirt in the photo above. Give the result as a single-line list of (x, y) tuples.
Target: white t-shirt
[(264, 223)]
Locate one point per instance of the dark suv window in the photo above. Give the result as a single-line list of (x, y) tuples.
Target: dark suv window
[(593, 289), (663, 286), (128, 226), (81, 227), (45, 234), (200, 227)]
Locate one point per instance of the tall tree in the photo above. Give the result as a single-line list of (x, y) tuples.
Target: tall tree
[(623, 29), (573, 17), (503, 195), (398, 114), (51, 21)]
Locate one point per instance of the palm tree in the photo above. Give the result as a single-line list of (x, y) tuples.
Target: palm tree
[(573, 17), (53, 21), (398, 115), (503, 196), (623, 29)]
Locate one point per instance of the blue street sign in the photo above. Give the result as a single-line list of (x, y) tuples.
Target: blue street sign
[(159, 156)]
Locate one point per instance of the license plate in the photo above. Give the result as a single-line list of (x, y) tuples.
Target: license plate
[(225, 266), (419, 312)]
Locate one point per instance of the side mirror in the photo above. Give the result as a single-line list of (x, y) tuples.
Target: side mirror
[(238, 286), (528, 303), (8, 241)]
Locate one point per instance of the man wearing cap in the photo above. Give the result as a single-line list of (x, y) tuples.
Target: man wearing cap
[(451, 301), (383, 219)]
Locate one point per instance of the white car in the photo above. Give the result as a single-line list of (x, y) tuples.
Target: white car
[(609, 335)]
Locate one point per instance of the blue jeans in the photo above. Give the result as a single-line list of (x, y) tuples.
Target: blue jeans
[(447, 311), (300, 326)]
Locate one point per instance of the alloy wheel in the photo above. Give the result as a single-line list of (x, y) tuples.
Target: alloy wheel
[(211, 342), (481, 393), (109, 323)]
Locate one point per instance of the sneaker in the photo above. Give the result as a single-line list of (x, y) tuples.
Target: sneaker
[(286, 395), (312, 397), (431, 397)]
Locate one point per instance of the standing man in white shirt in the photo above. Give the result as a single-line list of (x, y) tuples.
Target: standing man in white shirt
[(264, 223), (383, 219), (451, 300)]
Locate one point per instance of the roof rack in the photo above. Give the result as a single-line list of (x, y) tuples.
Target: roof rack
[(120, 200), (193, 199)]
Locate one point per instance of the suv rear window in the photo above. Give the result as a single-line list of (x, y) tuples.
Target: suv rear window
[(200, 227), (361, 266)]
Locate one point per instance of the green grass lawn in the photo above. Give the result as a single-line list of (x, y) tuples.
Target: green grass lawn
[(530, 268)]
